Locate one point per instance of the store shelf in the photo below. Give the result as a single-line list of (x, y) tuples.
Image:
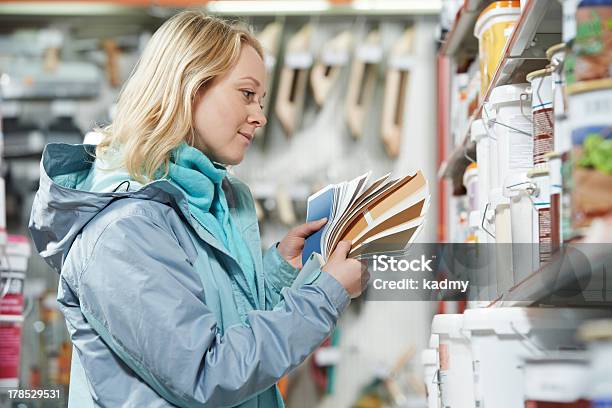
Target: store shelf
[(525, 51), (460, 39), (582, 276)]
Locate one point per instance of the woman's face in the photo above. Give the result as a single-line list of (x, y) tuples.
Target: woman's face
[(229, 110)]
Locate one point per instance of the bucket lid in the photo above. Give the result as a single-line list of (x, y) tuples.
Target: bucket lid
[(586, 86), (448, 324), (429, 357), (552, 155), (522, 320), (477, 130), (513, 7), (596, 330), (434, 341), (555, 49), (539, 171), (539, 73), (496, 198), (507, 94)]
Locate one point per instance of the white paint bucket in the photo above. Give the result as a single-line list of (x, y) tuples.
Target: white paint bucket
[(524, 222), (508, 114), (480, 136), (456, 380), (500, 204), (598, 334), (542, 114), (13, 266), (559, 377), (429, 359), (502, 338), (470, 181), (485, 214)]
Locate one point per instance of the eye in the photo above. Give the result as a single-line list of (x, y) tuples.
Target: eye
[(248, 94)]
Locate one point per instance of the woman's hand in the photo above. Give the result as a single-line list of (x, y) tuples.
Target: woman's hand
[(290, 247), (352, 274)]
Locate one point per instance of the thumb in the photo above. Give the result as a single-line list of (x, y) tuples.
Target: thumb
[(304, 230), (342, 250)]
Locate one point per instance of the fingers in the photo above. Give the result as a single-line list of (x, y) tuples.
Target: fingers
[(365, 275), (342, 250), (307, 229)]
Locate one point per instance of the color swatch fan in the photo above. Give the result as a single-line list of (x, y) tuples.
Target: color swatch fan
[(383, 217)]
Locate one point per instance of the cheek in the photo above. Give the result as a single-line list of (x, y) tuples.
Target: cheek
[(209, 121)]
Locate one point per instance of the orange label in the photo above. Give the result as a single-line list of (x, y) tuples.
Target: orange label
[(444, 357)]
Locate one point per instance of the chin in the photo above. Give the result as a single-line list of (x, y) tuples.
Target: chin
[(233, 160)]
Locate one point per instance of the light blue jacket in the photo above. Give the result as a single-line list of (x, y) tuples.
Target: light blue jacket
[(152, 301)]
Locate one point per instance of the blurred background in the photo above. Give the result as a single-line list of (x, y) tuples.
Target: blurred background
[(388, 86)]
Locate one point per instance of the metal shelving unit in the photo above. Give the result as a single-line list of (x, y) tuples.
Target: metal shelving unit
[(525, 52), (578, 274), (460, 41)]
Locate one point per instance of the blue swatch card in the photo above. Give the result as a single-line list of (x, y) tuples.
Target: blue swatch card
[(319, 206)]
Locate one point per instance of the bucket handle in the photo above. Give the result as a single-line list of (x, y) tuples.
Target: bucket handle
[(537, 92), (532, 190), (558, 64), (482, 222), (523, 98), (533, 344), (484, 110)]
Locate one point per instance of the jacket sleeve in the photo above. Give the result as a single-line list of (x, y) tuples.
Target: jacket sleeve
[(278, 274), (140, 293)]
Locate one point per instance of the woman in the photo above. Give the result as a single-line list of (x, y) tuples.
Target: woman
[(167, 297)]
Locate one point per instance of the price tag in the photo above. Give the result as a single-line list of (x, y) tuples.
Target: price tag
[(335, 58), (370, 53), (403, 62), (299, 60)]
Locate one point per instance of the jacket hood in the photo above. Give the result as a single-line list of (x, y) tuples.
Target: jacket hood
[(61, 209)]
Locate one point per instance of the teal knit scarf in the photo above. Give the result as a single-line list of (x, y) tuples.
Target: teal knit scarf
[(196, 175)]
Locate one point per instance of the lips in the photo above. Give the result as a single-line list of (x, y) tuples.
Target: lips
[(248, 136)]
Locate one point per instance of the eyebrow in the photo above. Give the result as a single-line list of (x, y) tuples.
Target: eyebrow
[(256, 82), (252, 79)]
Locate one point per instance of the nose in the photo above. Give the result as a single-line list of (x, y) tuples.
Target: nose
[(257, 118)]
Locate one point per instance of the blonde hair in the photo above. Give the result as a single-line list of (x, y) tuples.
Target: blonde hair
[(154, 110)]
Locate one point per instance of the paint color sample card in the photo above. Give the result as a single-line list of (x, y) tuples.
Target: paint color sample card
[(385, 216), (320, 205)]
